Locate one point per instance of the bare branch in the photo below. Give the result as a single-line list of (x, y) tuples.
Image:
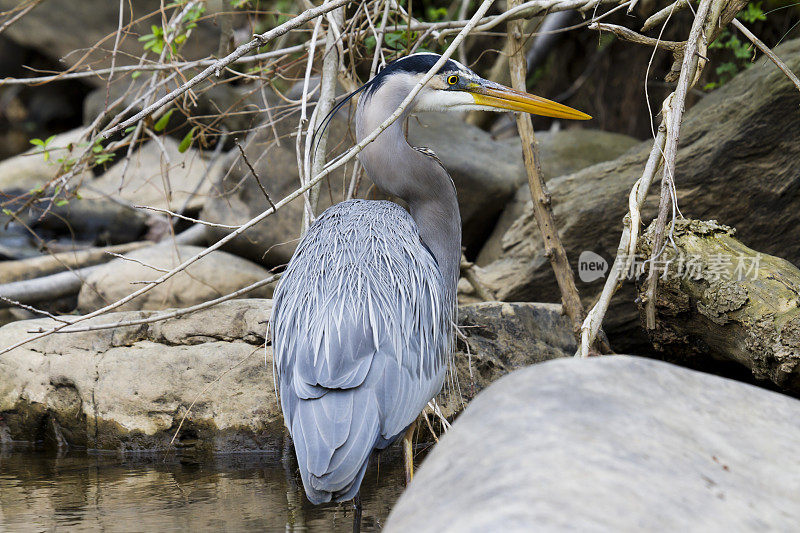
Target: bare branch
[(659, 18), (767, 52), (217, 66), (630, 35), (542, 211), (673, 115), (171, 314)]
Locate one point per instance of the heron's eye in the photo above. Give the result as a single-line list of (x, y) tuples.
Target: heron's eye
[(452, 80)]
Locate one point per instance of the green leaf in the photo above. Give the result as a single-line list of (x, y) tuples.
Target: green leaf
[(187, 140), (135, 74), (752, 13), (62, 202), (37, 142), (163, 121)]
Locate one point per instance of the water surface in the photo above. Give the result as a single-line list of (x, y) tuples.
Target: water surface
[(84, 491)]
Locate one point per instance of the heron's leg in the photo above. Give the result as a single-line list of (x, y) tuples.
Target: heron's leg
[(357, 514), (408, 451)]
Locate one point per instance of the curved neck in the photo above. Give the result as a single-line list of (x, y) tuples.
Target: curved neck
[(400, 170)]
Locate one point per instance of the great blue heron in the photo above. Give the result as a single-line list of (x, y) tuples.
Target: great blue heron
[(363, 316)]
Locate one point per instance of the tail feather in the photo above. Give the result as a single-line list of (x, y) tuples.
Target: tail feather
[(332, 467)]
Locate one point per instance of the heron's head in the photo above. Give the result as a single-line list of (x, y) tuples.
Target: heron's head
[(457, 88)]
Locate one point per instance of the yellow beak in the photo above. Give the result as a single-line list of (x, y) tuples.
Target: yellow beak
[(500, 97)]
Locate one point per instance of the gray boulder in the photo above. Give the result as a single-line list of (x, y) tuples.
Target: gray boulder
[(128, 388), (486, 173), (165, 179), (236, 197), (612, 444), (561, 152), (738, 162), (496, 338), (215, 275)]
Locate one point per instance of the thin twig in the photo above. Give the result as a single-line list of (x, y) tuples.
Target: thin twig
[(664, 14), (133, 260), (114, 54), (178, 65), (255, 175), (631, 36), (468, 271), (24, 11), (626, 249), (32, 309), (184, 217), (767, 52)]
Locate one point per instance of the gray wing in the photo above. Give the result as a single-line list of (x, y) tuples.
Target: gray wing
[(361, 332)]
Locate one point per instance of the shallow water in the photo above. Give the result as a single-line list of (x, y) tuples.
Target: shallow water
[(81, 491)]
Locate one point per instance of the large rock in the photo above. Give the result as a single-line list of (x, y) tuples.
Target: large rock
[(496, 338), (486, 173), (560, 152), (166, 179), (127, 388), (215, 275), (612, 444), (237, 196), (738, 162)]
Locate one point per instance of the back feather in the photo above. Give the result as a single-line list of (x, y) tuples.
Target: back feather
[(361, 334)]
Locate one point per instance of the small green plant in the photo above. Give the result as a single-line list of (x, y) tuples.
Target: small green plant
[(154, 41), (66, 162), (100, 155), (731, 45), (435, 14), (43, 146), (157, 39)]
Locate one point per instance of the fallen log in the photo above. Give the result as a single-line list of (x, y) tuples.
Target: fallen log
[(38, 283), (35, 267), (719, 299)]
